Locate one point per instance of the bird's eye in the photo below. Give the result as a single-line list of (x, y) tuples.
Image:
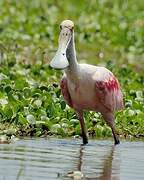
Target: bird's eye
[(60, 26), (71, 29)]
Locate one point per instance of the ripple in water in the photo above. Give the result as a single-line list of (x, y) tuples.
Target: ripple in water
[(38, 159)]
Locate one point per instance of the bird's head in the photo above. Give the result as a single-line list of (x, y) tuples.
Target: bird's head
[(60, 60)]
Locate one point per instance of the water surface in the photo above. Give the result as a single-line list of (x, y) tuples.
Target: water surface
[(36, 159)]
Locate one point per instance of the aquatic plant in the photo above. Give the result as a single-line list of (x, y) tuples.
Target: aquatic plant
[(108, 33)]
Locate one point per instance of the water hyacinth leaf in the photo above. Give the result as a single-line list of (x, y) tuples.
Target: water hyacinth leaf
[(17, 107), (20, 83), (132, 93), (40, 122), (58, 92), (8, 112), (139, 96), (138, 111), (99, 130), (3, 101), (21, 119), (38, 103), (19, 96), (1, 115), (139, 99), (3, 76), (11, 97), (64, 120), (27, 92), (64, 125), (26, 110), (31, 119), (63, 105), (44, 118), (51, 110), (106, 131), (36, 94), (74, 121), (55, 128), (138, 105), (38, 133), (7, 89), (128, 103), (48, 124), (1, 90), (43, 88), (77, 130)]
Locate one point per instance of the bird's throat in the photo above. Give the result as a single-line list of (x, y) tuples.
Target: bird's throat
[(71, 55)]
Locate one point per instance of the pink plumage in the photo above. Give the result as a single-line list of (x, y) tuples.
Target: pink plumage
[(94, 88), (84, 86)]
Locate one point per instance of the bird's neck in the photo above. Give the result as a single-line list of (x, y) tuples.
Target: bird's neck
[(71, 56)]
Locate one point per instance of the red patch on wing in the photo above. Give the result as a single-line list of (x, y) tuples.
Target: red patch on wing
[(112, 84), (101, 85)]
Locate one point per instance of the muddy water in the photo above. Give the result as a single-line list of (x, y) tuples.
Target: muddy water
[(36, 159)]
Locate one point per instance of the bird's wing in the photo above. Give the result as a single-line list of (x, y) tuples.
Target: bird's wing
[(109, 92), (65, 91)]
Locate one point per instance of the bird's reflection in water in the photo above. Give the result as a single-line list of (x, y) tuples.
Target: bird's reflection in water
[(80, 162), (108, 169), (107, 173)]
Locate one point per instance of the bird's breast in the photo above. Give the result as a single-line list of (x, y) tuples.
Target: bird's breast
[(83, 95)]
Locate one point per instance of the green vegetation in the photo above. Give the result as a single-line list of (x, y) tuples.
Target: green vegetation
[(109, 33)]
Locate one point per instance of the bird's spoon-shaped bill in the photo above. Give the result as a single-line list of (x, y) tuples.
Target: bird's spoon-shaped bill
[(60, 60)]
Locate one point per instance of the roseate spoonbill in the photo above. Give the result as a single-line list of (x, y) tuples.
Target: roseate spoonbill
[(84, 86)]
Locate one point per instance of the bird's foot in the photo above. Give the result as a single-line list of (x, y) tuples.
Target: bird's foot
[(85, 140), (117, 141)]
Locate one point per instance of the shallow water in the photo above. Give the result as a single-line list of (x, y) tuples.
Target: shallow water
[(36, 159)]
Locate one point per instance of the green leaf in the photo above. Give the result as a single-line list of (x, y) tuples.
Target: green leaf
[(63, 105), (8, 112), (7, 89), (21, 119), (31, 119), (27, 92)]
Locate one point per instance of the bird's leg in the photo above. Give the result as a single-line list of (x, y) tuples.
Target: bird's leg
[(115, 135), (83, 128), (109, 118)]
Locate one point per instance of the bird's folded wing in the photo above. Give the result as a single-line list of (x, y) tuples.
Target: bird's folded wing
[(65, 92), (109, 93)]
